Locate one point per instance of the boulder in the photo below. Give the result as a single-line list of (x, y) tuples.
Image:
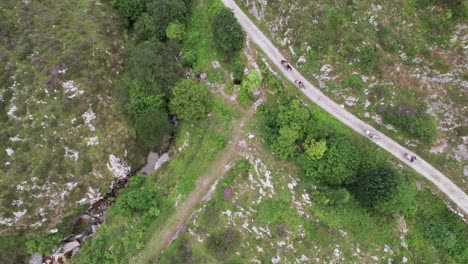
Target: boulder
[(36, 258)]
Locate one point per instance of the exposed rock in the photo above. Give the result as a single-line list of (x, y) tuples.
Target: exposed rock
[(36, 258), (215, 64)]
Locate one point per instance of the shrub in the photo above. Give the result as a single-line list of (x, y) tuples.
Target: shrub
[(175, 30), (353, 82), (367, 58), (153, 129), (413, 120), (315, 149), (190, 100), (221, 245)]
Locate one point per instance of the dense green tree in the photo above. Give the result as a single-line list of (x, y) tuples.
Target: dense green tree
[(153, 67), (153, 129), (159, 15), (130, 9), (141, 101), (377, 185), (227, 33), (190, 100), (401, 202), (285, 144), (340, 163), (175, 30)]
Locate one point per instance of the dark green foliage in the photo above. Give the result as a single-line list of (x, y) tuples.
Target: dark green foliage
[(12, 249), (238, 71), (142, 101), (413, 120), (43, 245), (227, 33), (401, 202), (160, 14), (138, 198), (223, 244), (130, 9), (190, 100), (153, 67), (340, 163), (153, 129), (376, 185), (367, 58), (353, 82)]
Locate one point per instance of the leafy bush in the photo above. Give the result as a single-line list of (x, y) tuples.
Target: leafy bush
[(190, 100), (315, 149), (238, 71), (138, 198), (141, 101), (354, 82), (223, 244), (413, 120), (175, 30), (227, 33), (153, 129), (367, 58)]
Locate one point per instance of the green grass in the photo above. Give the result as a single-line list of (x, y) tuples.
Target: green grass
[(87, 39)]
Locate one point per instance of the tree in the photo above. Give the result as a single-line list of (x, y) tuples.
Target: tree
[(190, 100), (339, 165), (377, 185), (153, 129), (175, 30), (315, 149), (227, 33), (141, 101), (130, 9), (285, 145), (401, 202), (162, 13), (153, 67)]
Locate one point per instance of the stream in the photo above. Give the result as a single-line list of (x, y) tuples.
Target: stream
[(87, 223)]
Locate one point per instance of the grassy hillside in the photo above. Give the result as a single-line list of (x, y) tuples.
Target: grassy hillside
[(399, 65), (61, 110)]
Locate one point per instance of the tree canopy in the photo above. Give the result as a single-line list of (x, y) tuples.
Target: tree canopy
[(190, 100), (130, 9), (153, 129), (227, 33), (153, 67), (377, 185)]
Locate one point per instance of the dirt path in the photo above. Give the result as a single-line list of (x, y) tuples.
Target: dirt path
[(163, 237), (421, 166)]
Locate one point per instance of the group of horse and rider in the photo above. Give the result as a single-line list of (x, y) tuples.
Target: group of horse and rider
[(288, 67), (369, 133)]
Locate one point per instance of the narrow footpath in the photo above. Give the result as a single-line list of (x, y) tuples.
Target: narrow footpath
[(162, 238), (314, 94)]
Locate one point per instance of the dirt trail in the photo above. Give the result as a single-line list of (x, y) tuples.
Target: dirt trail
[(314, 94), (163, 237)]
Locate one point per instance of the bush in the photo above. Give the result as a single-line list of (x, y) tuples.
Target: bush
[(153, 129), (367, 58), (221, 245), (227, 33), (138, 198), (413, 120), (175, 30), (164, 12), (353, 82), (190, 100)]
